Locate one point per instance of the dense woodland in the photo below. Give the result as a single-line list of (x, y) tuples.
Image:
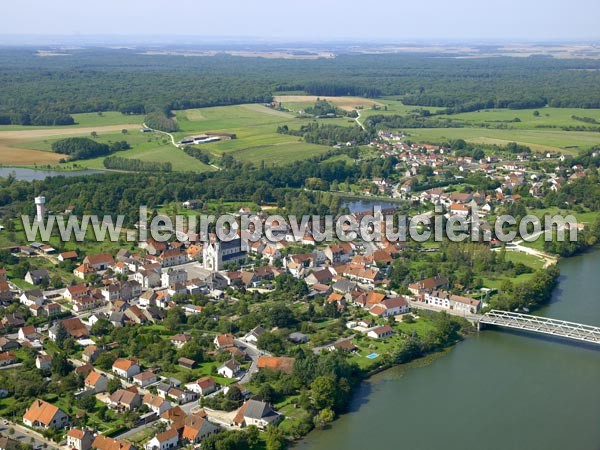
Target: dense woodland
[(46, 90), (85, 148)]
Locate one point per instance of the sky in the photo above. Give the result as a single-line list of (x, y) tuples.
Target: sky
[(309, 20)]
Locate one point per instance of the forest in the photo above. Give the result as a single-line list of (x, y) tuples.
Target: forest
[(84, 148), (39, 90)]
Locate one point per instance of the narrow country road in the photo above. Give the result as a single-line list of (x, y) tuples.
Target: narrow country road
[(357, 120), (163, 132)]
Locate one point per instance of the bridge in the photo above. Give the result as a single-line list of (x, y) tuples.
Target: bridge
[(542, 325)]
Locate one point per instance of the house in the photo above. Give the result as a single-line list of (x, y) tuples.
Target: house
[(35, 277), (125, 399), (172, 257), (277, 363), (12, 320), (466, 305), (83, 370), (136, 315), (175, 414), (67, 256), (164, 441), (230, 369), (7, 358), (74, 326), (32, 297), (390, 307), (149, 276), (223, 340), (51, 309), (181, 396), (90, 353), (257, 413), (100, 261), (28, 333), (43, 362), (8, 344), (157, 404), (428, 284), (344, 345), (202, 386), (179, 340), (83, 271), (322, 276), (6, 294), (254, 334), (97, 382), (196, 428), (107, 443), (86, 303), (79, 439), (380, 332), (144, 379), (72, 293), (126, 368), (42, 414)]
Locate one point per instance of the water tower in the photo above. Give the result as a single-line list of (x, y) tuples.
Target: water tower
[(40, 208)]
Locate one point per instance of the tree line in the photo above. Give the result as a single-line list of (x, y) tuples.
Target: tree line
[(48, 90)]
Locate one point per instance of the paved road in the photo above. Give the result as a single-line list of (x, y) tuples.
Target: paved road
[(24, 434), (253, 353), (452, 312)]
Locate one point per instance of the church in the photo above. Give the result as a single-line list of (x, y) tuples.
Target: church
[(217, 254)]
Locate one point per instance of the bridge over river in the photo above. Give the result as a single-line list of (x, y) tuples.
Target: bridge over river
[(542, 325)]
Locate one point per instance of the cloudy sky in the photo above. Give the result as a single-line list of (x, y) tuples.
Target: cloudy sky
[(312, 20)]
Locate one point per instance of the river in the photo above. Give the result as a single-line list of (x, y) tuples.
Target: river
[(21, 173), (496, 390)]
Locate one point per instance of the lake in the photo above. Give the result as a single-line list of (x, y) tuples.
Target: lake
[(497, 390)]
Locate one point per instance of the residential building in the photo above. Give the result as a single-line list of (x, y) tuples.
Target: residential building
[(126, 368), (202, 386), (79, 439), (164, 441), (380, 332), (42, 414)]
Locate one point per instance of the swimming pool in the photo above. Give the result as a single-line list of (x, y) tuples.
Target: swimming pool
[(373, 355)]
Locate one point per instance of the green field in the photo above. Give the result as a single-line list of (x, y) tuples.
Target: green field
[(145, 146), (256, 130), (531, 130), (539, 139)]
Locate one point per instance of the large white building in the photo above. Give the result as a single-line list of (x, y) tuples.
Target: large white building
[(216, 254)]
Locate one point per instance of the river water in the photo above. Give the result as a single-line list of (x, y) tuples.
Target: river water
[(496, 390), (21, 173)]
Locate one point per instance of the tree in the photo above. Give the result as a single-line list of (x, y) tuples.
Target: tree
[(274, 438), (324, 418), (94, 134), (253, 435), (60, 365), (61, 334), (113, 385), (323, 392), (266, 392), (105, 360)]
